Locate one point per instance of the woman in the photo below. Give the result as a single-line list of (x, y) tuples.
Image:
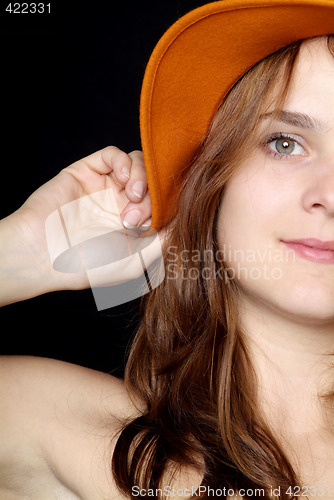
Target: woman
[(229, 384)]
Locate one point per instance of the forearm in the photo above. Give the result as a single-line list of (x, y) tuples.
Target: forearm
[(25, 267), (20, 267)]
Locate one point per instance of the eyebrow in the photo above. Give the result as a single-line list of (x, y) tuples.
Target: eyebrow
[(298, 119)]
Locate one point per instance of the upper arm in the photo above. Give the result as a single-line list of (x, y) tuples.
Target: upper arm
[(53, 412), (17, 404), (19, 446), (37, 390)]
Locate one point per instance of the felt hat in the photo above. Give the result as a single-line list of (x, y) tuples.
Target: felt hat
[(196, 63)]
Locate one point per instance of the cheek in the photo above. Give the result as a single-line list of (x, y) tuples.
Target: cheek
[(257, 204), (244, 213), (252, 220)]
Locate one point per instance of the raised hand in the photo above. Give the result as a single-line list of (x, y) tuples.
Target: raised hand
[(25, 265)]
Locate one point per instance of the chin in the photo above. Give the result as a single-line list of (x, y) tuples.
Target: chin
[(316, 308), (294, 301)]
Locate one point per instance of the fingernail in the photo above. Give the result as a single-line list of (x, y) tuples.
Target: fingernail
[(138, 189), (125, 171), (132, 218), (147, 223)]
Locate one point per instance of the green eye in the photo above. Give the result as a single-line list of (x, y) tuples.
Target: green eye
[(282, 147), (285, 146)]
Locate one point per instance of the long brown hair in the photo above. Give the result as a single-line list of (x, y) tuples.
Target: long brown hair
[(189, 361)]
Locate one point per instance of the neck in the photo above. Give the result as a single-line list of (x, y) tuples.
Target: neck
[(293, 364)]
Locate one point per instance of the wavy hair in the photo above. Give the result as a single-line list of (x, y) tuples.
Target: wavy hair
[(189, 361)]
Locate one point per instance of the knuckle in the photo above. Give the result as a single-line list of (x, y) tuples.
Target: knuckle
[(117, 157), (110, 150), (138, 158), (137, 152)]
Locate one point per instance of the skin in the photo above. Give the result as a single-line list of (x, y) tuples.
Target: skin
[(58, 421), (25, 264), (288, 313)]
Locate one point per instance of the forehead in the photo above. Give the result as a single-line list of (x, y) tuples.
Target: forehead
[(312, 86)]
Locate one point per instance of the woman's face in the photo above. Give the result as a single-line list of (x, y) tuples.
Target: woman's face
[(276, 220)]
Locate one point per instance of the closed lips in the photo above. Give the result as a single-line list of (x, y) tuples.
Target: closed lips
[(313, 249)]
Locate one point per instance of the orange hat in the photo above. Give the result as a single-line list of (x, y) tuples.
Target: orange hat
[(196, 63)]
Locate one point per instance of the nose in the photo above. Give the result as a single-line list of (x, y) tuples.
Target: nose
[(320, 192)]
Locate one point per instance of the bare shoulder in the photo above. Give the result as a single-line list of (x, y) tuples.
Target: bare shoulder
[(29, 380), (60, 420)]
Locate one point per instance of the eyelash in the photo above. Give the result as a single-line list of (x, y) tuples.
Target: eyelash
[(276, 137)]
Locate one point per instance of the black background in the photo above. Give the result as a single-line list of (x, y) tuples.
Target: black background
[(70, 85)]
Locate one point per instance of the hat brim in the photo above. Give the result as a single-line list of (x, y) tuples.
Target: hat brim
[(196, 63)]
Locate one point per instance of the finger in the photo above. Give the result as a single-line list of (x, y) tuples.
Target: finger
[(102, 162), (119, 164), (137, 214), (136, 187)]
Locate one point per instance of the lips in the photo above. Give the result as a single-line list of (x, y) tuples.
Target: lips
[(313, 249)]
